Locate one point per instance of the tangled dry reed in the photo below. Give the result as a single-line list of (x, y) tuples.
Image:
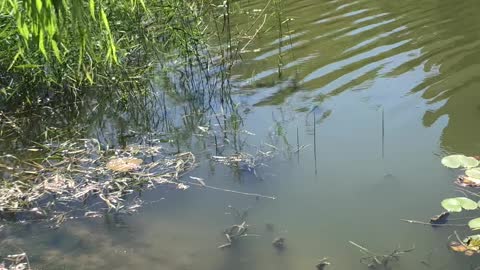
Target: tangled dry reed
[(78, 177)]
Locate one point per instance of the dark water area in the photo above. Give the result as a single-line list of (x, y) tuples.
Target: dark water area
[(323, 83)]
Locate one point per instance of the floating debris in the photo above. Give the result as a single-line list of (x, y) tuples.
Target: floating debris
[(15, 262), (373, 260), (322, 264), (225, 245), (467, 181), (279, 243), (234, 232), (440, 219), (469, 246), (244, 161), (457, 246), (73, 172), (256, 195), (201, 181), (124, 164)]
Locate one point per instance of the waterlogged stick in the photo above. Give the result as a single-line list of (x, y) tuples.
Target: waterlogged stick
[(298, 148), (315, 140), (314, 111), (432, 224), (231, 191), (383, 133)]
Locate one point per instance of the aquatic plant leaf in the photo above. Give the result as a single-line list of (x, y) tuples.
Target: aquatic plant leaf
[(474, 224), (469, 162), (452, 205), (474, 172), (473, 242), (452, 161), (467, 203), (456, 204), (124, 164), (456, 161)]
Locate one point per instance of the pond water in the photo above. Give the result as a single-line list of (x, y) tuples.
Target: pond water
[(393, 87)]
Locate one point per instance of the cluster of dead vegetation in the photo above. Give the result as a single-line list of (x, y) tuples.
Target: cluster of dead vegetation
[(83, 177)]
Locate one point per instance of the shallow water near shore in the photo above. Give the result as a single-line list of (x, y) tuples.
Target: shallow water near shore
[(414, 62)]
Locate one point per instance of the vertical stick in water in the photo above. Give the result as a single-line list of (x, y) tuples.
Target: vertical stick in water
[(216, 143), (315, 140), (383, 133), (298, 147)]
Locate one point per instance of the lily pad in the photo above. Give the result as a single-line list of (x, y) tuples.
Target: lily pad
[(467, 203), (456, 161), (469, 162), (452, 161), (124, 164), (474, 172), (452, 205), (456, 204), (474, 224)]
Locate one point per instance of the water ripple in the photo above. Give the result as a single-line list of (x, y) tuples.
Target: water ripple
[(352, 43)]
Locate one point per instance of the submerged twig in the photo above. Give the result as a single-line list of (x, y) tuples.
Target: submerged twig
[(432, 224), (234, 232), (315, 140), (298, 148), (244, 161), (383, 133), (463, 190), (224, 245), (374, 260), (231, 191), (255, 34), (19, 261)]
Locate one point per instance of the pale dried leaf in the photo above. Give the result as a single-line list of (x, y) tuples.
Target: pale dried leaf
[(124, 164)]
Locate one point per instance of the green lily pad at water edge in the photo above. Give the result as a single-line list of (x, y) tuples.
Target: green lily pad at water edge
[(475, 172), (456, 204), (452, 205), (456, 161), (467, 203), (470, 162), (474, 224)]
